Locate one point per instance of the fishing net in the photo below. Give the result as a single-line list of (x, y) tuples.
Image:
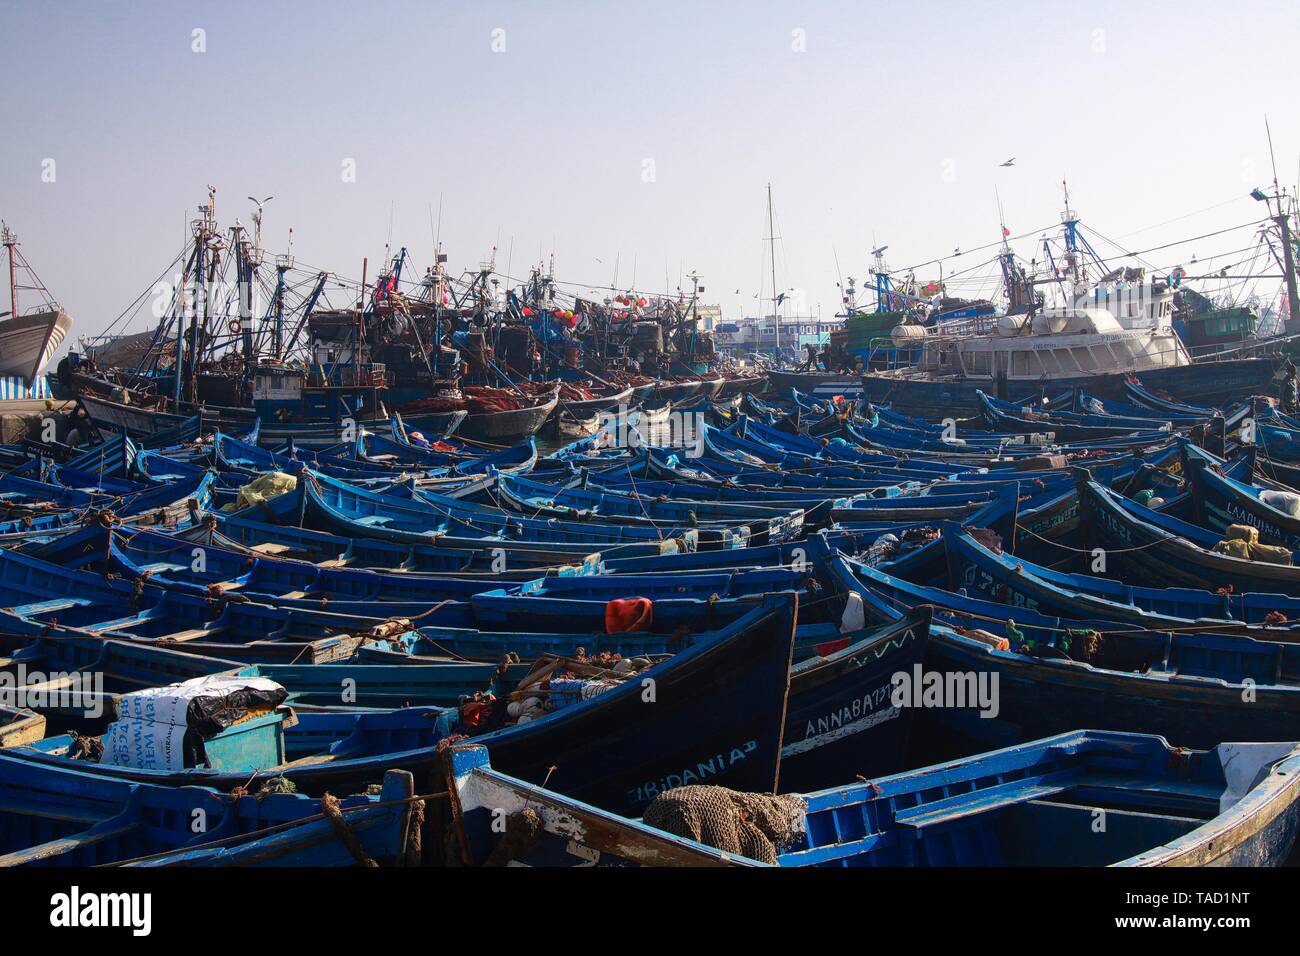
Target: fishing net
[(754, 825)]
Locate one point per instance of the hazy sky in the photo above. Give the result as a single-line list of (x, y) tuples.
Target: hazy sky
[(641, 131)]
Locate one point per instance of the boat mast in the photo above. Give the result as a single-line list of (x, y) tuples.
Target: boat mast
[(1281, 218), (282, 265), (776, 313), (1014, 283), (1070, 223), (10, 240)]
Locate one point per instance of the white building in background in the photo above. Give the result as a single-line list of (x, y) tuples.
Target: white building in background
[(760, 334), (710, 316)]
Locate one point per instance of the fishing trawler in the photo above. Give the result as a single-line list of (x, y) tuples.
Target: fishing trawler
[(28, 341), (1094, 334)]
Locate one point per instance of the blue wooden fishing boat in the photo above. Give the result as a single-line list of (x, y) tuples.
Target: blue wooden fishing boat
[(58, 816), (717, 717), (162, 559), (1146, 398), (112, 458), (1148, 545), (1065, 426), (109, 668), (48, 599), (419, 520), (1081, 401), (1052, 673), (176, 504), (112, 668), (1220, 501), (826, 479), (461, 458), (767, 522), (1032, 804), (92, 482), (1015, 581), (230, 454)]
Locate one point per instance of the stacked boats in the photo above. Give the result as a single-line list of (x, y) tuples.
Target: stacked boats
[(863, 637)]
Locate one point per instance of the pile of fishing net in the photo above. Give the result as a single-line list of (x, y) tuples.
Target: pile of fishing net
[(476, 399), (569, 391), (987, 537), (754, 825)]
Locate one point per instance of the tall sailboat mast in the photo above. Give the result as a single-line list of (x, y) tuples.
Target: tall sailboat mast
[(771, 235)]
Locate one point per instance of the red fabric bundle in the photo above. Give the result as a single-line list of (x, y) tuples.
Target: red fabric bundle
[(630, 614)]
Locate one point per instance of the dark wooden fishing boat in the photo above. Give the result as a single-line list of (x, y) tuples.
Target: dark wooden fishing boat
[(743, 385), (510, 426), (582, 409), (145, 423), (675, 391), (1194, 688), (717, 717), (841, 718), (839, 714), (148, 424)]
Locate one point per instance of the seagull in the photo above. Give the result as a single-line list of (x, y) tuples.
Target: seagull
[(260, 202), (1010, 162)]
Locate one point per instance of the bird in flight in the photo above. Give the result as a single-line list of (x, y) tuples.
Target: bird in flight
[(1010, 162)]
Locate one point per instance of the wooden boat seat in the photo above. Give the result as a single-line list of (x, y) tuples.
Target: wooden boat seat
[(56, 605), (979, 802), (271, 548), (193, 634), (964, 805), (164, 566)]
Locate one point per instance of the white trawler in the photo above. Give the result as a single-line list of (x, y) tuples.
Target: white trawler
[(1069, 320), (28, 341), (1124, 324), (1121, 323)]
